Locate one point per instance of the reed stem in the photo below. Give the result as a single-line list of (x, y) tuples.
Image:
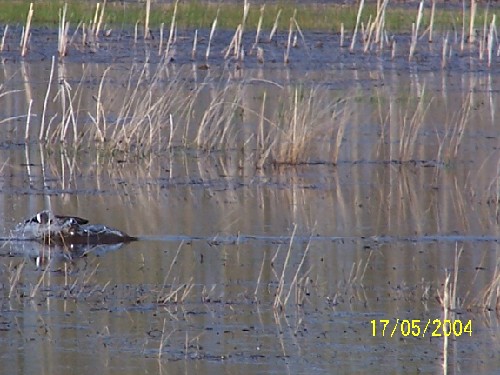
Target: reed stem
[(26, 33)]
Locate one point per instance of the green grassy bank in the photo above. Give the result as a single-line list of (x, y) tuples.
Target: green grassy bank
[(198, 14)]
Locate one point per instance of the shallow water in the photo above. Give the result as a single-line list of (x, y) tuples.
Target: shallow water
[(365, 239)]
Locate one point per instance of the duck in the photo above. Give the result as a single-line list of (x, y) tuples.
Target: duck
[(47, 217), (51, 229)]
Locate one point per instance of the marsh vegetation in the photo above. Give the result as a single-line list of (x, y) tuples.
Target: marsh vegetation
[(288, 186)]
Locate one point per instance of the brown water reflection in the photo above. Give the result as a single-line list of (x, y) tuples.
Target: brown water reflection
[(368, 238)]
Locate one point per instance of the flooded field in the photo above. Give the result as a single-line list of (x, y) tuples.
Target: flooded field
[(284, 211)]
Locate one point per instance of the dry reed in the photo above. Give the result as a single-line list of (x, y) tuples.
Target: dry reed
[(62, 32), (412, 122), (286, 57), (473, 8), (147, 32), (275, 26), (415, 27), (171, 34), (26, 34), (356, 27), (2, 44), (454, 131), (212, 32), (431, 22)]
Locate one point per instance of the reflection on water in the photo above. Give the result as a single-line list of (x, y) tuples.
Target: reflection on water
[(340, 245)]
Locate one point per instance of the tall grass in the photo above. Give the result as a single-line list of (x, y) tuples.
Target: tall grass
[(272, 124)]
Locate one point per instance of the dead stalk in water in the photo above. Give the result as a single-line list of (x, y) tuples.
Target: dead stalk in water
[(443, 55), (339, 136), (34, 289), (299, 30), (14, 277), (175, 293), (26, 34), (411, 128), (2, 44), (462, 41), (99, 22), (163, 338), (454, 131), (448, 299), (278, 303), (393, 49), (239, 45), (233, 45), (431, 22), (99, 114), (473, 8), (286, 59), (296, 284), (491, 38), (415, 27), (341, 44), (62, 32), (259, 25), (380, 24), (171, 134), (358, 19), (489, 297), (260, 276), (160, 46), (295, 279), (28, 121), (275, 26), (195, 41), (212, 32), (171, 34), (146, 20), (262, 151)]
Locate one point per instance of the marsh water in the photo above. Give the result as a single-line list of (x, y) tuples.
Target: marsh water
[(279, 268)]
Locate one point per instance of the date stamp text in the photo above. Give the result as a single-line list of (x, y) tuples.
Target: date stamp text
[(421, 328)]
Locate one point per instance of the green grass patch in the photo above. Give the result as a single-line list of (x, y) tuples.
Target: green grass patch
[(198, 14)]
